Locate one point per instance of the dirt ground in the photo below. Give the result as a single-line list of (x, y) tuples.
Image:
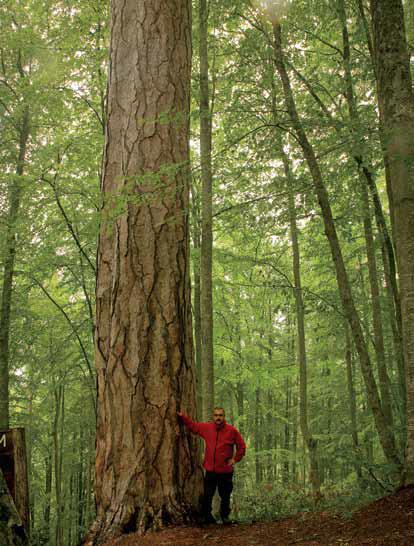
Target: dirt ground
[(386, 522)]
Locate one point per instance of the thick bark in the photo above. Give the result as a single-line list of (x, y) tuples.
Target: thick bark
[(396, 106), (386, 439), (147, 467), (207, 355), (15, 192)]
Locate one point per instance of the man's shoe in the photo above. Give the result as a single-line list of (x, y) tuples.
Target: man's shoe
[(209, 519), (225, 520)]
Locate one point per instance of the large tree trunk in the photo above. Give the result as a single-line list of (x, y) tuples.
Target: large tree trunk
[(386, 438), (15, 192), (396, 106), (147, 468), (207, 355)]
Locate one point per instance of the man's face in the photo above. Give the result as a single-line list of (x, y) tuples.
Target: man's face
[(218, 416)]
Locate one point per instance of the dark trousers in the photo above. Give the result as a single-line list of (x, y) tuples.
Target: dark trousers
[(224, 483)]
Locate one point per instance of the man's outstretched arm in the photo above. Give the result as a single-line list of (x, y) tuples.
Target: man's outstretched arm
[(194, 427)]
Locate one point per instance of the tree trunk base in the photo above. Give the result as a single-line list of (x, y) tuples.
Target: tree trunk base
[(140, 520)]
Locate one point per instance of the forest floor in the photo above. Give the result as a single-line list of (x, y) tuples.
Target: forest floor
[(388, 521)]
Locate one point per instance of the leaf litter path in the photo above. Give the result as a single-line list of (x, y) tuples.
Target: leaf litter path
[(386, 522)]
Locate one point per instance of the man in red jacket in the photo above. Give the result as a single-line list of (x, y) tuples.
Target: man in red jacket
[(219, 459)]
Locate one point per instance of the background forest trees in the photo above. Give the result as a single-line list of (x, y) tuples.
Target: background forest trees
[(266, 213)]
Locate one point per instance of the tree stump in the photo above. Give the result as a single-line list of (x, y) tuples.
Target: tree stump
[(14, 488), (12, 531)]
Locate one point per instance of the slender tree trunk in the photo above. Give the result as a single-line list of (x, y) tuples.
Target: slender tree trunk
[(386, 438), (286, 430), (294, 442), (81, 485), (396, 106), (387, 245), (257, 464), (352, 401), (269, 437), (48, 496), (393, 296), (197, 304), (71, 494), (370, 43), (240, 404), (57, 443), (387, 250), (147, 467), (15, 192), (384, 382), (379, 346), (89, 482), (310, 442), (207, 355), (29, 451)]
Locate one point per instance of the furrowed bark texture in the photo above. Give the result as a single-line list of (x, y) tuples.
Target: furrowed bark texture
[(385, 436), (147, 469), (396, 106)]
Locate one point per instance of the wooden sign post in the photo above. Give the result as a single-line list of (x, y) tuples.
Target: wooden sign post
[(13, 464)]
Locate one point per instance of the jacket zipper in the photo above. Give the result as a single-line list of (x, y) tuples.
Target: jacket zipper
[(215, 448)]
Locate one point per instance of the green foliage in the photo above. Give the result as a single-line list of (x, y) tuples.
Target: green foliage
[(53, 61)]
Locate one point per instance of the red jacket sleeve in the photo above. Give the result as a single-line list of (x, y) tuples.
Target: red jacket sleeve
[(194, 427), (241, 447)]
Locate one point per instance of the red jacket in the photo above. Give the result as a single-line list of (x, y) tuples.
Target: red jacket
[(220, 442)]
